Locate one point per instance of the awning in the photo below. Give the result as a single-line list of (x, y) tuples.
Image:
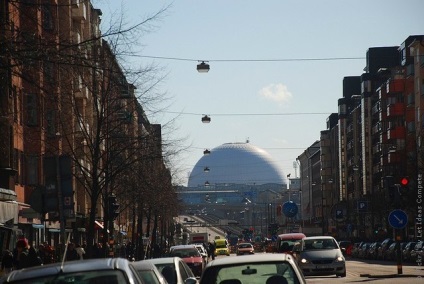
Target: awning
[(98, 225), (9, 211), (38, 226), (58, 230)]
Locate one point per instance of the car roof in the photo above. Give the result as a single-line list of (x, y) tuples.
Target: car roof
[(164, 260), (69, 267), (319, 238), (292, 235), (251, 258), (143, 265)]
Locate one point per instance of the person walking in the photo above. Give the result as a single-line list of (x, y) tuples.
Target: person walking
[(22, 254), (211, 249), (7, 262)]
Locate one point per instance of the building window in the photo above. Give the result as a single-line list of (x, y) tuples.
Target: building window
[(47, 17), (32, 170), (51, 123), (31, 107)]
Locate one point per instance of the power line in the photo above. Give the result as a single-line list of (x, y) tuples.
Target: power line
[(251, 114), (251, 60)]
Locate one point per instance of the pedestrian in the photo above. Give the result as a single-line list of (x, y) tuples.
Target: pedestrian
[(22, 254), (80, 251), (7, 262), (211, 249), (34, 258), (71, 252)]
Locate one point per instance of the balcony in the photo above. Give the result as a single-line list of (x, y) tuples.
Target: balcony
[(397, 132), (393, 158), (396, 109), (79, 10), (395, 86)]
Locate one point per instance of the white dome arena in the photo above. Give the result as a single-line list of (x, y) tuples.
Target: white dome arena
[(236, 163)]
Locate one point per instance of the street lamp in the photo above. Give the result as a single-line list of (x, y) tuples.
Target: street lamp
[(203, 67), (206, 119)]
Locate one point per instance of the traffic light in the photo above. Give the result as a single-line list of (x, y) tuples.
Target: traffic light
[(404, 185), (113, 208)]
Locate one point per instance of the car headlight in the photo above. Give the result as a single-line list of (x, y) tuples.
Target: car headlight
[(304, 260), (339, 259)]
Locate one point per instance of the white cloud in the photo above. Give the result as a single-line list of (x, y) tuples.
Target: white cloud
[(276, 93)]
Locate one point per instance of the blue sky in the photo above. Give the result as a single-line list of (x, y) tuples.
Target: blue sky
[(280, 105)]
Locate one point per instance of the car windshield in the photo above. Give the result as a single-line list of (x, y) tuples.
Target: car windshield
[(245, 246), (185, 253), (316, 244), (148, 276), (253, 273), (86, 277)]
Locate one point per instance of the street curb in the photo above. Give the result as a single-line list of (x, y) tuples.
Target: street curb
[(391, 276)]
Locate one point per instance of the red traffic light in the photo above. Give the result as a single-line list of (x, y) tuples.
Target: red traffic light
[(404, 181)]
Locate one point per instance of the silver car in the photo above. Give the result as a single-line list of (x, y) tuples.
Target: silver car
[(320, 256), (99, 270), (148, 272), (253, 269), (174, 270)]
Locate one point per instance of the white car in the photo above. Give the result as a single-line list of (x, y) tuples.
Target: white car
[(253, 269), (320, 255)]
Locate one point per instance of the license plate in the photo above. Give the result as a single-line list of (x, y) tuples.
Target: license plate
[(322, 266)]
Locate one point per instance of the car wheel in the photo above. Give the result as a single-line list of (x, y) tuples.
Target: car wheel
[(341, 275)]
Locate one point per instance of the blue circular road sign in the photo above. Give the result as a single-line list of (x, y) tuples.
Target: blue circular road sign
[(398, 219), (290, 209)]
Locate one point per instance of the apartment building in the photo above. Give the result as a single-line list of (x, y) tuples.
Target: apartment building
[(378, 136), (73, 132)]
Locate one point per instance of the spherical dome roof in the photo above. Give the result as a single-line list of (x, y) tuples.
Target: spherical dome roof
[(236, 163)]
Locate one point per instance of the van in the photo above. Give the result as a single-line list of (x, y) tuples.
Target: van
[(285, 242)]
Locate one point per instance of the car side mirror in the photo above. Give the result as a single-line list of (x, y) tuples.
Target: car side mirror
[(191, 280)]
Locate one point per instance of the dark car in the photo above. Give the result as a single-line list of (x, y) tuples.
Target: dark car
[(417, 251), (373, 250), (344, 246), (100, 270), (407, 251), (384, 246)]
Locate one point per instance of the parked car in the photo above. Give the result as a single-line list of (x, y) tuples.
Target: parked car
[(174, 270), (148, 272), (100, 270), (346, 247), (320, 255), (407, 251), (417, 251), (363, 250), (355, 249), (263, 268), (391, 252), (191, 256), (245, 248), (384, 246), (373, 250)]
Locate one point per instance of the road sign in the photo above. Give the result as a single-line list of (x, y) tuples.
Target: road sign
[(362, 206), (398, 219)]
